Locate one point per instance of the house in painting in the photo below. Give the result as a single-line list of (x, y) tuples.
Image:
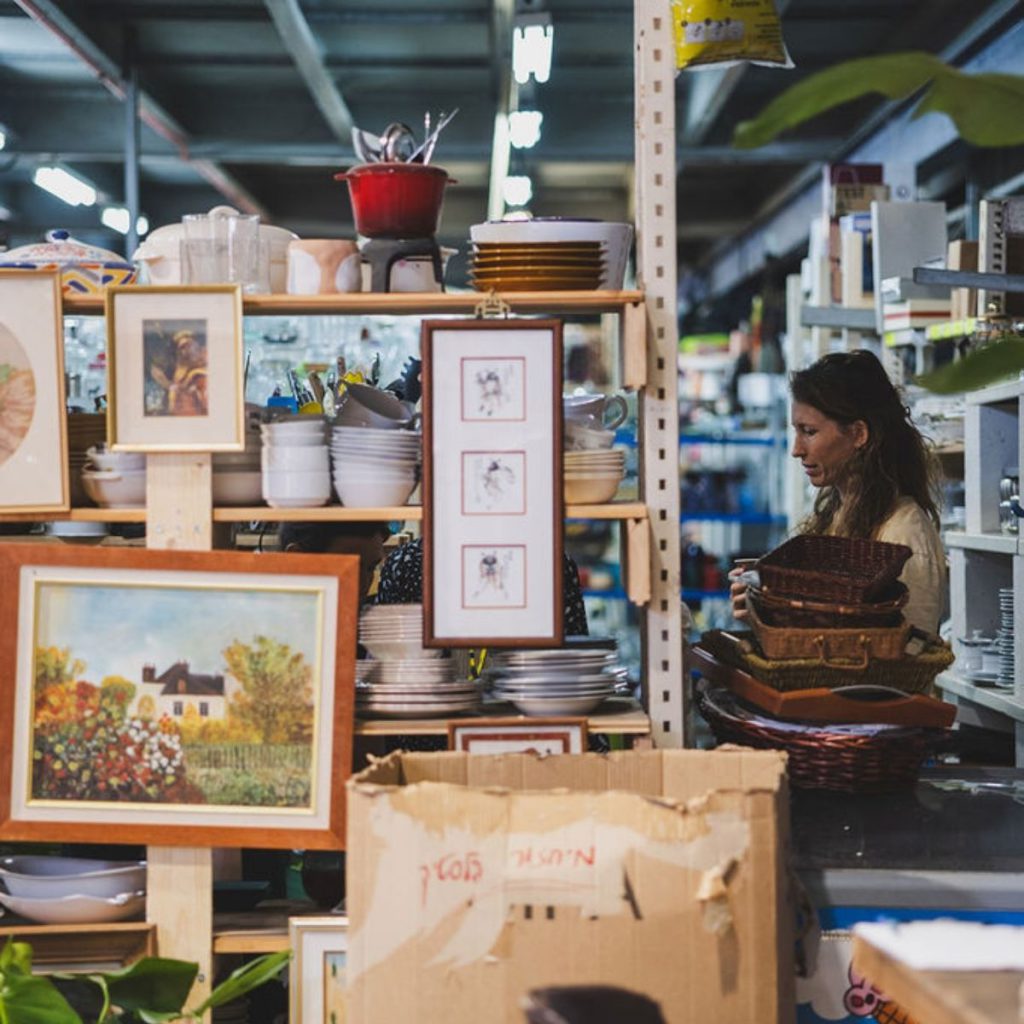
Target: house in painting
[(177, 688)]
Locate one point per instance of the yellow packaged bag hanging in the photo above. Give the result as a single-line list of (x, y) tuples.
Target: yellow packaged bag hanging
[(716, 32)]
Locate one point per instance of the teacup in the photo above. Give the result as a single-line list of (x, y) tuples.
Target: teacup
[(593, 410), (366, 406), (580, 437)]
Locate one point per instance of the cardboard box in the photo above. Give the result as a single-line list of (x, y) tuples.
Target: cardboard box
[(475, 880)]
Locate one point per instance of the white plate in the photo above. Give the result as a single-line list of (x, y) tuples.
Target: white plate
[(77, 909), (556, 705), (37, 877)]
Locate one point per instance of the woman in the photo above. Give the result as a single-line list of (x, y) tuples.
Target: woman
[(873, 471)]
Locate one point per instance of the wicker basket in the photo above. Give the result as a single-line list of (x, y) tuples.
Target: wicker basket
[(840, 570), (790, 611), (822, 757), (913, 673), (850, 648)]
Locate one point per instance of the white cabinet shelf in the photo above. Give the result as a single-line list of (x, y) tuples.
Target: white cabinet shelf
[(1002, 543), (990, 697)]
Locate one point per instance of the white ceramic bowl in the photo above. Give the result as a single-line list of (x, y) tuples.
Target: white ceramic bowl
[(591, 490), (282, 486), (392, 650), (115, 489), (77, 909), (38, 877), (102, 459), (296, 458), (242, 487), (374, 492)]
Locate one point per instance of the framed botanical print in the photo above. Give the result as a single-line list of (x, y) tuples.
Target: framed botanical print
[(492, 483), (175, 369), (33, 421), (175, 697)]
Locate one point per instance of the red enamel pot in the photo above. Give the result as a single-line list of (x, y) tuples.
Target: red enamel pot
[(396, 200)]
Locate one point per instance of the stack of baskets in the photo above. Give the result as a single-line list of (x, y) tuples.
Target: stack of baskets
[(826, 614)]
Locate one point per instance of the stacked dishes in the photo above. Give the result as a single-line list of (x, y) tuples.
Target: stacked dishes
[(592, 477), (557, 251), (296, 463), (555, 681), (405, 680), (115, 479), (236, 475), (70, 890), (85, 431), (1004, 639), (545, 266), (375, 468)]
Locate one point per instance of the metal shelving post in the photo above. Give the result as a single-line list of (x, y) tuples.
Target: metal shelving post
[(659, 421)]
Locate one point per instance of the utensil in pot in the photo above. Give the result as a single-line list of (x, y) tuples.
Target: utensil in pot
[(368, 147), (398, 142), (426, 148)]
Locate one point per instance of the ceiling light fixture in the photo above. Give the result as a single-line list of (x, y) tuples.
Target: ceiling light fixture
[(517, 190), (524, 128), (65, 185), (117, 218), (532, 41), (3, 138)]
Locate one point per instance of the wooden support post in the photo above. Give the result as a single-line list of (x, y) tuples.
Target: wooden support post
[(633, 328), (179, 897), (638, 560)]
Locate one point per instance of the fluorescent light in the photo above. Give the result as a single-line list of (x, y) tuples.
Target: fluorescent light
[(524, 128), (532, 39), (517, 190), (117, 218), (64, 185), (3, 138)]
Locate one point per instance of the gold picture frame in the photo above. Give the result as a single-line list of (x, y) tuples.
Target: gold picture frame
[(317, 975), (33, 415), (175, 377)]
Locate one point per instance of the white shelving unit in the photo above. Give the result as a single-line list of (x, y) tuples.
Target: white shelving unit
[(983, 558)]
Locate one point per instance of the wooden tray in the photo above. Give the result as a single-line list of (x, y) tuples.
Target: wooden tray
[(824, 705)]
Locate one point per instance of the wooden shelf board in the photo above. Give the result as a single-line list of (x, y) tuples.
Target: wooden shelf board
[(119, 942), (625, 718), (990, 697), (263, 930), (409, 302)]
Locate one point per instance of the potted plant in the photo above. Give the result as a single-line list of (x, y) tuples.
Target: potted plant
[(153, 990)]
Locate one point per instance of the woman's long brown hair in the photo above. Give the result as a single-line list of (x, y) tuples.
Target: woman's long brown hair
[(895, 462)]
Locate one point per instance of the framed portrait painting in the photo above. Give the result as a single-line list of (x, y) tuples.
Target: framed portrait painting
[(492, 483), (317, 975), (175, 698), (175, 370), (33, 420)]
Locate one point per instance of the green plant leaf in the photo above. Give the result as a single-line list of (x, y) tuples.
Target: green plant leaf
[(16, 958), (247, 977), (985, 107), (33, 999), (995, 362), (155, 984)]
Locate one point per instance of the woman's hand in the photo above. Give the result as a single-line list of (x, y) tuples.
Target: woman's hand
[(738, 593)]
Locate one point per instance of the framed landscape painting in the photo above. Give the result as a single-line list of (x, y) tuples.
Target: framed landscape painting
[(175, 698), (33, 422), (317, 975), (175, 377)]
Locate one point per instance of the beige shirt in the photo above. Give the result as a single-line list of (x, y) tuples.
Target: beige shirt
[(925, 570)]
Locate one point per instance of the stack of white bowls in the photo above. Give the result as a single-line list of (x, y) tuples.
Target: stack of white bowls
[(71, 890), (556, 681), (374, 467), (592, 477), (236, 475), (115, 479), (406, 680), (296, 463)]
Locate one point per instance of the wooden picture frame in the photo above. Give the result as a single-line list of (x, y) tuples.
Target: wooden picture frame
[(136, 699), (33, 416), (175, 376), (518, 735), (493, 506), (316, 976)]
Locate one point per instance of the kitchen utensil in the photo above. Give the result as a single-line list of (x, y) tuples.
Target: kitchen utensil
[(430, 142), (398, 142), (396, 200), (368, 147)]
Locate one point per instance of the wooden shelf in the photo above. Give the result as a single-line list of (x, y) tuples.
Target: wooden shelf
[(263, 930), (623, 718), (369, 303), (84, 946), (321, 513)]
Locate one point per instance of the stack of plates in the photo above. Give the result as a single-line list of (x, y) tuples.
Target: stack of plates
[(537, 266), (415, 688), (557, 681), (374, 468), (592, 477), (1004, 639), (393, 632)]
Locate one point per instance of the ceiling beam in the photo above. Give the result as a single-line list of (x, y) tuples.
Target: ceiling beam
[(47, 14), (298, 39)]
